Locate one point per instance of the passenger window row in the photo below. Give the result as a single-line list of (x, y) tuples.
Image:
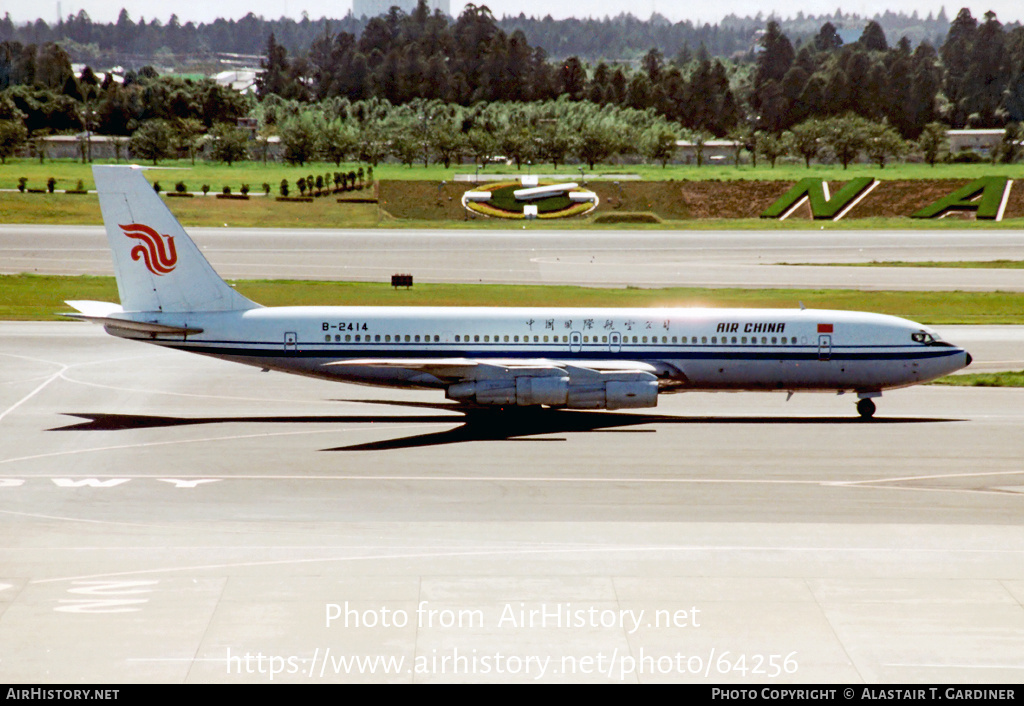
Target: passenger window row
[(486, 338)]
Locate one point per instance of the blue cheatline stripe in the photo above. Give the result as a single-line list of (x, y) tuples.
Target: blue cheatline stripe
[(277, 350)]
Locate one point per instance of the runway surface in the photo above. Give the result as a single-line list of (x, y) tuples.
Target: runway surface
[(533, 256), (173, 518)]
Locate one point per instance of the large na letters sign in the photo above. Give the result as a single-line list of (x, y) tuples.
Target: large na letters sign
[(985, 197)]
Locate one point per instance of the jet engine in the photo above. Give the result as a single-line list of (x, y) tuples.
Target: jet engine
[(569, 387)]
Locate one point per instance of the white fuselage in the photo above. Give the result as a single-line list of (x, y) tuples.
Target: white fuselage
[(493, 357), (686, 348)]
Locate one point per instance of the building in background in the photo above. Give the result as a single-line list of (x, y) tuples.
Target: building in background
[(983, 142)]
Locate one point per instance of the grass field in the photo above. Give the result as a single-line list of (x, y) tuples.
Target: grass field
[(68, 172), (41, 298), (1007, 379), (205, 211), (326, 212), (964, 265)]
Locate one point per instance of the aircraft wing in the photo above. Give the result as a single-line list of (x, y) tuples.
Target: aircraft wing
[(452, 370), (491, 381)]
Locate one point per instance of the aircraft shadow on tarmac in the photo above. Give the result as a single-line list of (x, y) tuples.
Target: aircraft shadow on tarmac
[(473, 425)]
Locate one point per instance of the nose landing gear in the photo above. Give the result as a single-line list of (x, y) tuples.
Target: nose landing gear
[(865, 405), (866, 408)]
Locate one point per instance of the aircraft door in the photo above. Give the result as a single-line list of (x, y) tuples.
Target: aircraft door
[(291, 342), (615, 341), (824, 347), (575, 342)]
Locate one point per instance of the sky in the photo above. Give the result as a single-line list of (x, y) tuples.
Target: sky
[(108, 10)]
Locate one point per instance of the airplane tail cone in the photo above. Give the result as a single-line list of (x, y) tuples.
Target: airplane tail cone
[(157, 265)]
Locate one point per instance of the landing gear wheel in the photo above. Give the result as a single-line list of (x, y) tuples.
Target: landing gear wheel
[(866, 408)]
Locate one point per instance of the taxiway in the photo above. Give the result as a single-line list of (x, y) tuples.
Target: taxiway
[(797, 259), (171, 518)]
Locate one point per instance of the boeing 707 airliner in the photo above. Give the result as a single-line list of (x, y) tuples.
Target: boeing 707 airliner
[(497, 357)]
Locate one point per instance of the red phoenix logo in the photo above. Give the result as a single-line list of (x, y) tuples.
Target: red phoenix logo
[(156, 250)]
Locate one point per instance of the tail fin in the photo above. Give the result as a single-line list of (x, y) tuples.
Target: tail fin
[(157, 265)]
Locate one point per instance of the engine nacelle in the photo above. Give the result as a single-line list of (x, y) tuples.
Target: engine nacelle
[(521, 390), (551, 391), (614, 395), (577, 389), (632, 395), (487, 392)]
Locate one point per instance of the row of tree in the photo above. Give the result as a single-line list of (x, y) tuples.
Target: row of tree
[(421, 132), (48, 97), (136, 43), (976, 78), (417, 72), (553, 132)]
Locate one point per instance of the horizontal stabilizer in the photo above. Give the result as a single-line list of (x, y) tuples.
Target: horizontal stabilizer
[(94, 308), (101, 313)]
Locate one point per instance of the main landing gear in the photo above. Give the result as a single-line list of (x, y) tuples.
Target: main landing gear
[(866, 406)]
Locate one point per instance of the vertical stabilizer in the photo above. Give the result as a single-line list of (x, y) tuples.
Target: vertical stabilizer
[(157, 265)]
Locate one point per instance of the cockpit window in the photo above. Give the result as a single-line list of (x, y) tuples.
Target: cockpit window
[(928, 339)]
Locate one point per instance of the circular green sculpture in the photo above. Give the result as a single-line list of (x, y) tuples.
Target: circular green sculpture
[(511, 199)]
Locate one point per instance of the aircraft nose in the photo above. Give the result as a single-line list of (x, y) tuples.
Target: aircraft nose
[(969, 359)]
